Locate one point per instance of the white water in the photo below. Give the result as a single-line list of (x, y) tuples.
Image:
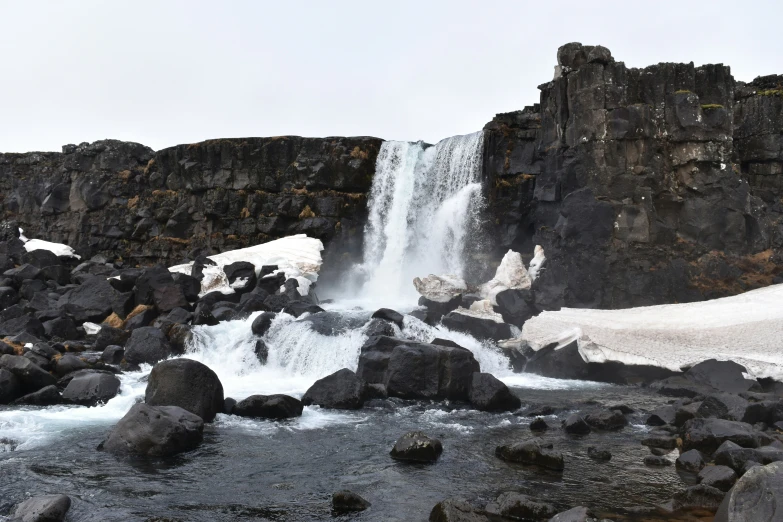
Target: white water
[(423, 203)]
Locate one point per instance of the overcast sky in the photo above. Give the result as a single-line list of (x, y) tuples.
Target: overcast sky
[(168, 72)]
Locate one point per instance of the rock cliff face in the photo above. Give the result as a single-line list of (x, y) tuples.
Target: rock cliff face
[(124, 200), (644, 186)]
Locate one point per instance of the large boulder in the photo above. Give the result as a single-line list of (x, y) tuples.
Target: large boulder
[(726, 376), (147, 345), (757, 496), (241, 275), (456, 510), (517, 506), (44, 508), (188, 384), (31, 377), (390, 315), (412, 370), (347, 502), (706, 435), (340, 390), (90, 301), (719, 477), (155, 431), (532, 452), (487, 393), (415, 446), (10, 387), (89, 389), (606, 420), (157, 286), (262, 323), (46, 396), (108, 336), (478, 327), (268, 407)]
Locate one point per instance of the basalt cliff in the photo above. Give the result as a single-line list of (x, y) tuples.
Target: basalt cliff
[(644, 186)]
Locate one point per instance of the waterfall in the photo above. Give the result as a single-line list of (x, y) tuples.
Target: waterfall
[(423, 204)]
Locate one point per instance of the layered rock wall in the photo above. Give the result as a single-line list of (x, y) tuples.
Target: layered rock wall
[(644, 186)]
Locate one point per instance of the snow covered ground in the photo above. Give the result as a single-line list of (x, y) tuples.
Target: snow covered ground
[(746, 328), (57, 249), (297, 256)]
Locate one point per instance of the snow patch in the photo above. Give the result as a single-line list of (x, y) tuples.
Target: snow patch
[(57, 249), (298, 257), (440, 289), (512, 274), (745, 328)]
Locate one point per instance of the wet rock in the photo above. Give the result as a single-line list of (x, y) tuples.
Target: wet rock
[(726, 376), (769, 412), (599, 454), (577, 514), (90, 301), (61, 328), (113, 354), (757, 495), (660, 440), (610, 420), (156, 286), (297, 308), (241, 270), (737, 458), (539, 424), (90, 389), (268, 407), (662, 416), (390, 315), (378, 327), (487, 393), (110, 336), (532, 452), (520, 507), (261, 350), (155, 431), (147, 345), (456, 510), (477, 327), (348, 501), (262, 323), (706, 435), (656, 461), (340, 390), (228, 405), (10, 387), (44, 508), (699, 497), (142, 316), (46, 396), (415, 446), (31, 377), (515, 306), (575, 424), (188, 384), (691, 461), (719, 477), (69, 363), (722, 406)]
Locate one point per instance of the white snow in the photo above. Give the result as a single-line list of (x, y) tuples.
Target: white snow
[(296, 256), (537, 262), (57, 249), (511, 274), (440, 289), (746, 328), (481, 310), (91, 328)]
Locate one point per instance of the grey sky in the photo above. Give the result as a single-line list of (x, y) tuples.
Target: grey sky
[(168, 72)]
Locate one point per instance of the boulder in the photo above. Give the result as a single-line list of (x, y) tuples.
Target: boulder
[(706, 435), (691, 461), (532, 452), (487, 393), (69, 363), (757, 496), (478, 327), (31, 377), (108, 336), (90, 389), (297, 308), (156, 286), (113, 354), (722, 406), (23, 324), (415, 446), (241, 274), (700, 497), (440, 289), (656, 461), (662, 416), (719, 477), (262, 323), (577, 514), (737, 458), (90, 301), (188, 384), (575, 424), (10, 387), (390, 315), (147, 345), (435, 310), (269, 407), (726, 376), (456, 510), (46, 396), (599, 454), (412, 370), (607, 420), (378, 327), (340, 390), (515, 306), (520, 507), (61, 328), (347, 502), (155, 431), (44, 508), (539, 424)]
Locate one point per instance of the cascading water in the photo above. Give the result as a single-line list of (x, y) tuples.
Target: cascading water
[(424, 202)]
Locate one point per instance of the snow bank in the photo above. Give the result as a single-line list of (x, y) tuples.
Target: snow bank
[(746, 328), (440, 289), (57, 249), (511, 274), (298, 257)]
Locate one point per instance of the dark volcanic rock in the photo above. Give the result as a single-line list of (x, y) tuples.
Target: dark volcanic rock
[(455, 510), (31, 377), (90, 301), (46, 396), (69, 363), (155, 431), (691, 461), (726, 376), (108, 336), (575, 424), (389, 315), (706, 435), (539, 424), (348, 501), (699, 497), (657, 461), (10, 387), (340, 390), (599, 454), (44, 508), (719, 477), (487, 393), (478, 328), (262, 323), (520, 507), (268, 407), (757, 495), (188, 384), (113, 354), (147, 345), (415, 446), (532, 452), (156, 286), (89, 389), (609, 420)]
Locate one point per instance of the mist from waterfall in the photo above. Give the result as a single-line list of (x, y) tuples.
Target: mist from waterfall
[(425, 201)]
